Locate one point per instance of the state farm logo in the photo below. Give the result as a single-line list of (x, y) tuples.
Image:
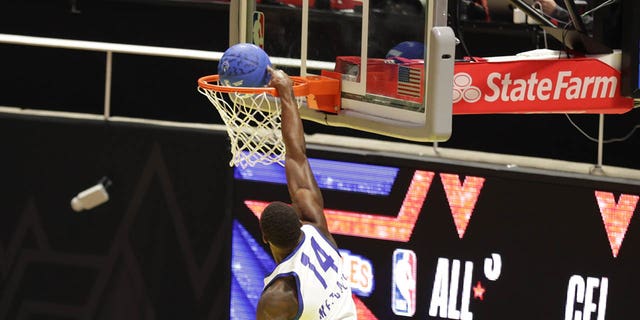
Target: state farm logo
[(562, 86), (463, 90)]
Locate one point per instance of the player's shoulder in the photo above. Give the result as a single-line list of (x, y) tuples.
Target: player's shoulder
[(279, 300), (309, 227), (313, 229)]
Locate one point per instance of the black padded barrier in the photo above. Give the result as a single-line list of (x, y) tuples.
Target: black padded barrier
[(157, 249)]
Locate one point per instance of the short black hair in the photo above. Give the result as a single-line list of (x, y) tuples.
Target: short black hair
[(280, 225)]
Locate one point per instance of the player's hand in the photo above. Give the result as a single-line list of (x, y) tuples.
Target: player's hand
[(280, 81)]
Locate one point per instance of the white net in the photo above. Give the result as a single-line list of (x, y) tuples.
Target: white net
[(253, 125)]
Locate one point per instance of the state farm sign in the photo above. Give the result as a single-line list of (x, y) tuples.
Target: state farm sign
[(566, 85)]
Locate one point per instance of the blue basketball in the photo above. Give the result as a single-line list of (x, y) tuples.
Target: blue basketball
[(244, 65), (407, 49)]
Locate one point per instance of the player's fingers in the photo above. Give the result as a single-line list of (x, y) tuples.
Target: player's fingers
[(272, 72)]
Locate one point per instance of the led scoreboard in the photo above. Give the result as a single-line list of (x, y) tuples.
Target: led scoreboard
[(431, 240)]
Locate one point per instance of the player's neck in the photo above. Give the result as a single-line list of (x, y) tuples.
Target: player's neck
[(280, 254)]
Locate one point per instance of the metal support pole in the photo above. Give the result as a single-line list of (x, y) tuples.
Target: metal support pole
[(234, 22), (304, 38), (597, 169), (600, 140), (107, 86), (243, 21)]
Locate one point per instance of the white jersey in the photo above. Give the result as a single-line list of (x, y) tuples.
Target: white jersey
[(323, 288)]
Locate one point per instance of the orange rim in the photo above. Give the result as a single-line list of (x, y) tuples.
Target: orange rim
[(300, 86)]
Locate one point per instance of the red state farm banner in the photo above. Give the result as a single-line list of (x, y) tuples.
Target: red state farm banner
[(582, 85)]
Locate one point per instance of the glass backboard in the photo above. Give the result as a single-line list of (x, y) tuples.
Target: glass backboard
[(394, 58)]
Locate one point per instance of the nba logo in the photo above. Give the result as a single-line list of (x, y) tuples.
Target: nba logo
[(403, 294)]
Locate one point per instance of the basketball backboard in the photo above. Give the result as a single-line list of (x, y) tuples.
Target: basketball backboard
[(407, 97)]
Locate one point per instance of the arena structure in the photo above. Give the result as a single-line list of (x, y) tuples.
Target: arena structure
[(514, 216)]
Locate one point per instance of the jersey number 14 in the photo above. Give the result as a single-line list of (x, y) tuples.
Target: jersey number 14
[(324, 260)]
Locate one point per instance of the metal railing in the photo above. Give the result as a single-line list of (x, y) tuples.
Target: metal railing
[(110, 48)]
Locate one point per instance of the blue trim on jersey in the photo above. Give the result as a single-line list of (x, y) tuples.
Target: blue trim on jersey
[(304, 236), (298, 290)]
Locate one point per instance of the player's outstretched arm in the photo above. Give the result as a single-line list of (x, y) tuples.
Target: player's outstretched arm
[(305, 194)]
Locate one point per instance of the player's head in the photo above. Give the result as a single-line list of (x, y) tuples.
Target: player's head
[(280, 225)]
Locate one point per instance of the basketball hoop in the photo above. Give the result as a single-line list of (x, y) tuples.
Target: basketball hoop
[(252, 118)]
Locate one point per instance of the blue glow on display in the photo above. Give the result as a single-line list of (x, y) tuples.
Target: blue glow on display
[(249, 265), (360, 270), (330, 174)]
